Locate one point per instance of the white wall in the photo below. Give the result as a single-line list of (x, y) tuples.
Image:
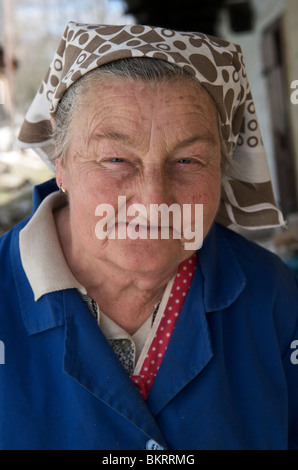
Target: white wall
[(290, 28), (266, 12)]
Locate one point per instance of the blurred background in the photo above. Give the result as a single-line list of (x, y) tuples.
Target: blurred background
[(267, 31)]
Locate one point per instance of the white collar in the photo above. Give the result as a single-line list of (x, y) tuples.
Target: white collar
[(41, 253)]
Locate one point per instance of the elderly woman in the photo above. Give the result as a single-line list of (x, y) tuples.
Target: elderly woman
[(117, 337)]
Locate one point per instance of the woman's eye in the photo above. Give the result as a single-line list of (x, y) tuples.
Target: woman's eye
[(116, 160), (188, 165), (116, 165)]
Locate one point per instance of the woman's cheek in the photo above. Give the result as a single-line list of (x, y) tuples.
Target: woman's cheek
[(207, 191)]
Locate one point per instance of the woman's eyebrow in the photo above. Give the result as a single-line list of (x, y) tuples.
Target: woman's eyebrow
[(205, 138), (118, 136), (112, 135)]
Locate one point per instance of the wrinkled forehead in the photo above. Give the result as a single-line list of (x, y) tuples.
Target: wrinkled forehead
[(117, 107)]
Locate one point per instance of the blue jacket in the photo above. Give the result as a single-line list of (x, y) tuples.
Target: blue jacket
[(229, 379)]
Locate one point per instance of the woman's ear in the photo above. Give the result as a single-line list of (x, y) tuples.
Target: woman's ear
[(52, 121), (59, 166), (59, 172)]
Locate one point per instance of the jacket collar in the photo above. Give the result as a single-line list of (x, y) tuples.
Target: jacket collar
[(39, 315), (38, 241), (223, 277)]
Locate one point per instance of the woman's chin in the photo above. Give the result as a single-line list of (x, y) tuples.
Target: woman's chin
[(145, 255)]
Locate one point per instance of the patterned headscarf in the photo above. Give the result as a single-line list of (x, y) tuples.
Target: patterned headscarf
[(246, 198)]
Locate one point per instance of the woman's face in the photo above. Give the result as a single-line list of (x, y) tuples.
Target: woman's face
[(152, 145)]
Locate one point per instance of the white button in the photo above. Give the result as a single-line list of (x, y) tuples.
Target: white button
[(153, 445)]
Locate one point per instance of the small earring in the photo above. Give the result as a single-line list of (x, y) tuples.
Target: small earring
[(61, 189)]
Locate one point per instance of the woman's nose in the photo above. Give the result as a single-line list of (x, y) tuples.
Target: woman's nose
[(155, 188)]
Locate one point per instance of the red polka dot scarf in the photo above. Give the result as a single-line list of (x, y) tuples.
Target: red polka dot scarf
[(144, 380)]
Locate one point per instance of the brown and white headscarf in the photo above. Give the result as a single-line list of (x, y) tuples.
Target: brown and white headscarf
[(247, 197)]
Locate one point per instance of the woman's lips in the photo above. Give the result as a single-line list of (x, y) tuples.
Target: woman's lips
[(153, 231)]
